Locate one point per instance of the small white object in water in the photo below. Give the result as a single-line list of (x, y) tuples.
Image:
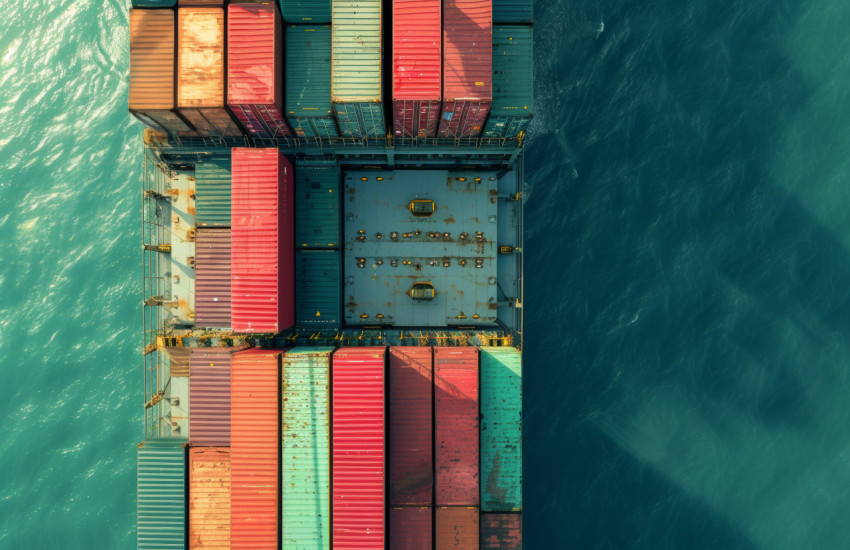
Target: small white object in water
[(600, 29)]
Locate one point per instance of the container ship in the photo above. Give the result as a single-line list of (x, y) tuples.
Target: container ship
[(332, 218)]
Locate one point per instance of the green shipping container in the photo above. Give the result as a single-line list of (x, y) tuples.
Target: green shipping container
[(513, 11), (308, 81), (316, 206), (305, 464), (154, 3), (161, 515), (501, 429), (305, 12), (360, 119), (513, 82), (318, 280), (212, 193)]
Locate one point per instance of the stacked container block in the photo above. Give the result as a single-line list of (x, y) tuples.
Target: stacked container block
[(209, 397), (411, 528), (501, 531), (318, 278), (456, 528), (255, 69), (262, 271), (153, 3), (161, 512), (358, 448), (212, 193), (212, 277), (417, 61), (306, 12), (513, 82), (305, 468), (209, 498), (317, 220), (308, 81), (513, 12)]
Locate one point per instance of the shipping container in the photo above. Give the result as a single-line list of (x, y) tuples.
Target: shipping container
[(209, 498), (153, 3), (262, 233), (467, 67), (411, 462), (200, 2), (306, 12), (212, 193), (456, 425), (152, 62), (161, 504), (308, 81), (212, 277), (356, 67), (200, 71), (513, 82), (358, 448), (456, 528), (417, 64), (318, 279), (501, 531), (513, 12), (209, 397), (255, 69), (411, 528), (501, 429), (305, 441), (317, 220)]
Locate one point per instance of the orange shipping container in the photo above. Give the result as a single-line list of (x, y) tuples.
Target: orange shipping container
[(457, 528), (209, 498)]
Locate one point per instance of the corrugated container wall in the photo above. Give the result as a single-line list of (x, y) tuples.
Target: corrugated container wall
[(513, 82), (200, 71), (467, 67), (209, 397), (161, 504), (317, 207), (212, 193), (152, 64), (358, 448), (513, 12), (501, 531), (411, 436), (411, 528), (212, 277), (456, 528), (262, 271), (356, 67), (255, 69), (501, 429), (209, 498), (318, 278), (306, 12), (153, 3), (254, 447), (305, 441), (308, 81), (200, 2), (456, 438), (417, 67)]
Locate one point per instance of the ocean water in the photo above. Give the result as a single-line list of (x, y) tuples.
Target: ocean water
[(688, 260)]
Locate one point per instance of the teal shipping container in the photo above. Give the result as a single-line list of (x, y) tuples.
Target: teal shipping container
[(513, 11), (316, 207), (305, 12), (513, 82), (501, 429), (305, 463), (212, 193), (308, 81), (154, 3), (318, 279), (161, 505)]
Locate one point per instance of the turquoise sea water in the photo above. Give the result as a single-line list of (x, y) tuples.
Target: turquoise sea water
[(688, 260)]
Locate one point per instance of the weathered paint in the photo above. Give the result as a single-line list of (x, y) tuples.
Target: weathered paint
[(209, 397), (318, 275), (209, 498), (411, 463), (305, 442), (456, 528), (212, 193), (456, 425), (501, 429), (178, 358), (411, 528), (254, 446), (317, 222), (306, 12), (308, 81), (161, 504), (501, 531), (212, 277), (463, 118), (513, 11), (513, 81), (358, 448), (360, 120)]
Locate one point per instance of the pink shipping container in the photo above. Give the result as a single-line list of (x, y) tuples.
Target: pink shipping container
[(212, 278), (411, 528), (467, 67), (417, 67), (358, 448), (209, 397), (411, 435), (263, 241), (456, 411), (255, 68), (501, 531)]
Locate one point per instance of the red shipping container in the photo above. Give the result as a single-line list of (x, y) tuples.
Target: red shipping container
[(254, 450), (467, 67), (209, 397), (411, 435), (410, 528), (456, 411), (263, 241), (255, 68), (417, 67), (501, 531), (358, 448), (456, 528), (212, 277)]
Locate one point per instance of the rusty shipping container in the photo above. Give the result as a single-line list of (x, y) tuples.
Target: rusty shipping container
[(254, 447), (501, 531), (411, 463), (209, 498), (456, 528), (255, 68), (209, 397), (411, 528), (358, 448), (212, 277), (467, 67), (200, 71), (456, 425), (263, 241), (417, 67)]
